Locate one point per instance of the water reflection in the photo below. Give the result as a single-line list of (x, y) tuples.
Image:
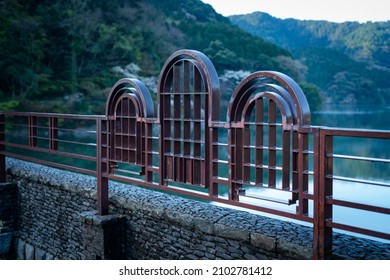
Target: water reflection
[(363, 117)]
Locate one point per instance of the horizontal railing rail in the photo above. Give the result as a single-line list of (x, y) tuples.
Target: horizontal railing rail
[(51, 139)]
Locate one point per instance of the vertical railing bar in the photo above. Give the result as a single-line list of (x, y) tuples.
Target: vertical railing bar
[(259, 140), (144, 133), (187, 109), (271, 144), (286, 160), (295, 174), (101, 169), (125, 131), (238, 163), (187, 162), (119, 132), (177, 75), (140, 142), (53, 133), (214, 156), (246, 153), (302, 177), (116, 124), (197, 127), (207, 134), (300, 207), (32, 131), (121, 118), (147, 153), (233, 163), (111, 144), (136, 126), (212, 113), (165, 129)]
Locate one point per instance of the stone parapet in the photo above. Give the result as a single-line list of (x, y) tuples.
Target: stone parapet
[(57, 218)]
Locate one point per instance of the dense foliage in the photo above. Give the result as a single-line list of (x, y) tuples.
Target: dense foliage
[(58, 56), (349, 61)]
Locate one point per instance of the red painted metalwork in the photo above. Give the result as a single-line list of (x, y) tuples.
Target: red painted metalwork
[(262, 147), (186, 137)]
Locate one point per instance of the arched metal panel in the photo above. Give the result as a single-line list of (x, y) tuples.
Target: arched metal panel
[(265, 113), (188, 95), (128, 107)]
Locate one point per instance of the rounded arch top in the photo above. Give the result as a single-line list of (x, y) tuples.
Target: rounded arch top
[(282, 86), (204, 67), (136, 91)]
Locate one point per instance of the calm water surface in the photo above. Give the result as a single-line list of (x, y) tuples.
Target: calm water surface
[(362, 117)]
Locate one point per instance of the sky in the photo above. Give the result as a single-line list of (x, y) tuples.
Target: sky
[(330, 10)]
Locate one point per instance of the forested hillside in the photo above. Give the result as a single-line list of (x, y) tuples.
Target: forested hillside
[(59, 55), (349, 61)]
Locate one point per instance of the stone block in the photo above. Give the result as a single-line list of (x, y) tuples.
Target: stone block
[(40, 254), (20, 249), (204, 225), (230, 232), (30, 252), (264, 242), (293, 250)]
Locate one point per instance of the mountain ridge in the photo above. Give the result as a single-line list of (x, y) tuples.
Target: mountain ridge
[(349, 61)]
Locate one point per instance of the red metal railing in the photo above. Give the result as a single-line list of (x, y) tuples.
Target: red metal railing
[(327, 176), (266, 156), (52, 139)]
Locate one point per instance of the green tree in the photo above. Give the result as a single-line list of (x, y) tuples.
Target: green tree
[(313, 96), (221, 55)]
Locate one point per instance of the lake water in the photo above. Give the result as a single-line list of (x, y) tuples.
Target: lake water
[(362, 117)]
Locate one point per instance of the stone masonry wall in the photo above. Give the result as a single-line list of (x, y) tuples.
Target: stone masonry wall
[(56, 220), (7, 218)]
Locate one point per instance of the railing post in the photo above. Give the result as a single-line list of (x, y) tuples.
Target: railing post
[(316, 191), (323, 212), (2, 148), (101, 168)]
